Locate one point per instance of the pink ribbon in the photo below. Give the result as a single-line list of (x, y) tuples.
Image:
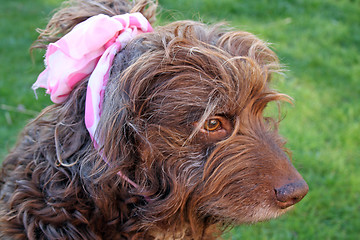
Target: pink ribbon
[(88, 50)]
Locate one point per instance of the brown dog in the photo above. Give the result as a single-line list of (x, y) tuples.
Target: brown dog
[(182, 130)]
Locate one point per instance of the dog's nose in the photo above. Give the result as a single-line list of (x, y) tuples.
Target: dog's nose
[(291, 193)]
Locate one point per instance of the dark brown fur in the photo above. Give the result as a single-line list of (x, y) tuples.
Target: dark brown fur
[(163, 87)]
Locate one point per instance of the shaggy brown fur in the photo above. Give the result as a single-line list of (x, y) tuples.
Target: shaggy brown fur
[(182, 117)]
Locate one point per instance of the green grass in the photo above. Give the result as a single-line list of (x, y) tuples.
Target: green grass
[(318, 41)]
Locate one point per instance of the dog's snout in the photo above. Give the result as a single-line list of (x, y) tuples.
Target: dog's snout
[(291, 193)]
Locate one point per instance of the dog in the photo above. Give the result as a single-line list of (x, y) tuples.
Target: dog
[(181, 148)]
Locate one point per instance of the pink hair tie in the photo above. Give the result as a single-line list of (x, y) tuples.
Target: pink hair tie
[(88, 49)]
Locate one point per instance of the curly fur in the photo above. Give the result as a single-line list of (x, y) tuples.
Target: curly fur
[(163, 86)]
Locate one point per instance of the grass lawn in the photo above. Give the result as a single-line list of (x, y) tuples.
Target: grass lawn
[(318, 41)]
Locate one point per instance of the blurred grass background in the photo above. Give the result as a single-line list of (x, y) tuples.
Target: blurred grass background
[(318, 41)]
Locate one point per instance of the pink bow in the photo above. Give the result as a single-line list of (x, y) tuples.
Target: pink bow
[(88, 49)]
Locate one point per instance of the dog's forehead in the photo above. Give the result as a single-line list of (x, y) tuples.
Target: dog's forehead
[(194, 69)]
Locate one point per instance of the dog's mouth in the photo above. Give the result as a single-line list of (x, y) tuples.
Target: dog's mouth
[(251, 214), (266, 213)]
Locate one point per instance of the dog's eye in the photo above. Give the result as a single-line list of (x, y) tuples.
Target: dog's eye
[(212, 124), (215, 128)]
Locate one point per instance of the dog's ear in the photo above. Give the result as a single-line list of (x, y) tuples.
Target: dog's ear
[(119, 130), (73, 12)]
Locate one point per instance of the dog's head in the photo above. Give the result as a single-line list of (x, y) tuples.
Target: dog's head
[(183, 118)]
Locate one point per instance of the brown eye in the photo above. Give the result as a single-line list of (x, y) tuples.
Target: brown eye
[(212, 125)]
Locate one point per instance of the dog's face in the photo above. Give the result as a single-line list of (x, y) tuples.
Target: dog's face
[(183, 117)]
